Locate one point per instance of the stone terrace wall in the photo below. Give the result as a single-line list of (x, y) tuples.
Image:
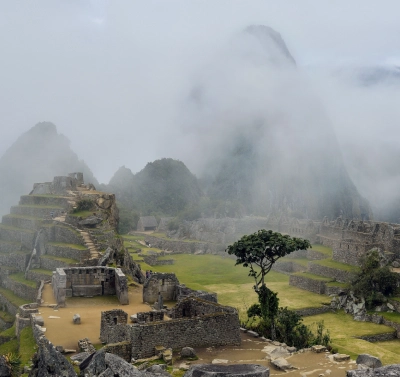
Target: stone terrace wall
[(64, 234), (17, 260), (336, 274), (182, 247), (7, 306), (210, 330), (67, 252), (316, 286), (20, 289), (152, 260), (288, 267), (182, 292)]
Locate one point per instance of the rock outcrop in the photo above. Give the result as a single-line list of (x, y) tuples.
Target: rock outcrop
[(387, 371)]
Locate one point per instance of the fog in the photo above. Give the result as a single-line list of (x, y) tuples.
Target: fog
[(129, 82)]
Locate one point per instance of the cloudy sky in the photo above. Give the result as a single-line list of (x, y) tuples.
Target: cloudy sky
[(114, 75)]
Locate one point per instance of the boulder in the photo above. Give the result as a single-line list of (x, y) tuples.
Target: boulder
[(158, 370), (167, 356), (369, 360), (5, 370), (237, 370), (91, 221), (274, 352), (281, 364), (76, 319), (188, 353), (386, 371)]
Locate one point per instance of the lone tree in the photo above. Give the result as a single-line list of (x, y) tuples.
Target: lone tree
[(260, 251)]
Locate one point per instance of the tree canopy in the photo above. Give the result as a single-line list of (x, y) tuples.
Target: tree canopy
[(262, 249)]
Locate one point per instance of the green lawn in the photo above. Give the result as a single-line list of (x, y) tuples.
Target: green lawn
[(14, 299), (323, 249), (27, 345), (61, 259), (344, 330), (20, 278), (70, 245), (337, 265)]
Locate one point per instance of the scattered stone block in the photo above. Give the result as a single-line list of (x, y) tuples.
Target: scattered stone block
[(39, 320), (281, 364), (318, 349), (253, 333), (216, 370), (133, 318), (341, 357), (369, 360), (76, 319), (291, 349), (274, 352), (167, 356), (69, 350), (60, 349), (184, 366), (188, 353), (219, 361)]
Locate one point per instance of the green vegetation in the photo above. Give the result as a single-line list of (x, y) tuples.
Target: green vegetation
[(6, 317), (375, 282), (83, 214), (336, 265), (322, 249), (20, 278), (394, 317), (312, 276), (14, 228), (70, 245), (27, 345), (61, 259), (83, 205), (42, 271), (12, 298), (344, 330)]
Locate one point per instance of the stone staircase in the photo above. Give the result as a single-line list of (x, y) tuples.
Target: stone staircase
[(94, 252)]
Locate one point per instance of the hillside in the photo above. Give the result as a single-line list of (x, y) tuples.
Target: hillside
[(275, 148), (37, 156)]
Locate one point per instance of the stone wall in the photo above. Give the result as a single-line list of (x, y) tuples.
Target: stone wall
[(19, 260), (67, 252), (122, 349), (88, 282), (21, 290), (24, 236), (193, 307), (165, 283), (303, 282), (113, 326), (313, 311), (334, 273), (63, 234), (7, 306), (288, 267), (153, 316), (152, 260), (184, 247), (205, 331)]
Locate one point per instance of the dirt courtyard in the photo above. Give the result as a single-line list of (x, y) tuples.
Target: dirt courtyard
[(60, 330)]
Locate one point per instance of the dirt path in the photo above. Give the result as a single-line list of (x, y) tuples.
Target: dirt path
[(62, 331), (308, 364)]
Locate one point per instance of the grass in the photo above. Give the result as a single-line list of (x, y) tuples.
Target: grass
[(394, 317), (337, 284), (27, 345), (82, 214), (312, 276), (344, 330), (336, 265), (39, 206), (13, 298), (70, 245), (10, 346), (6, 317), (20, 278), (232, 283), (42, 271), (60, 259), (322, 249), (301, 261)]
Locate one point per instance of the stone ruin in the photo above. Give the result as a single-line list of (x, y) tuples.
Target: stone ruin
[(167, 285), (89, 282), (193, 322)]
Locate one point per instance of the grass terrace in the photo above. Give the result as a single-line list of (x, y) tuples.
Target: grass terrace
[(42, 271), (13, 298), (336, 265), (82, 214), (322, 249), (70, 245), (20, 278), (344, 332), (61, 259), (312, 276)]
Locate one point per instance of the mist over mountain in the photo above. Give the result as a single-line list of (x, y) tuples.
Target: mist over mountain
[(37, 156), (270, 145)]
